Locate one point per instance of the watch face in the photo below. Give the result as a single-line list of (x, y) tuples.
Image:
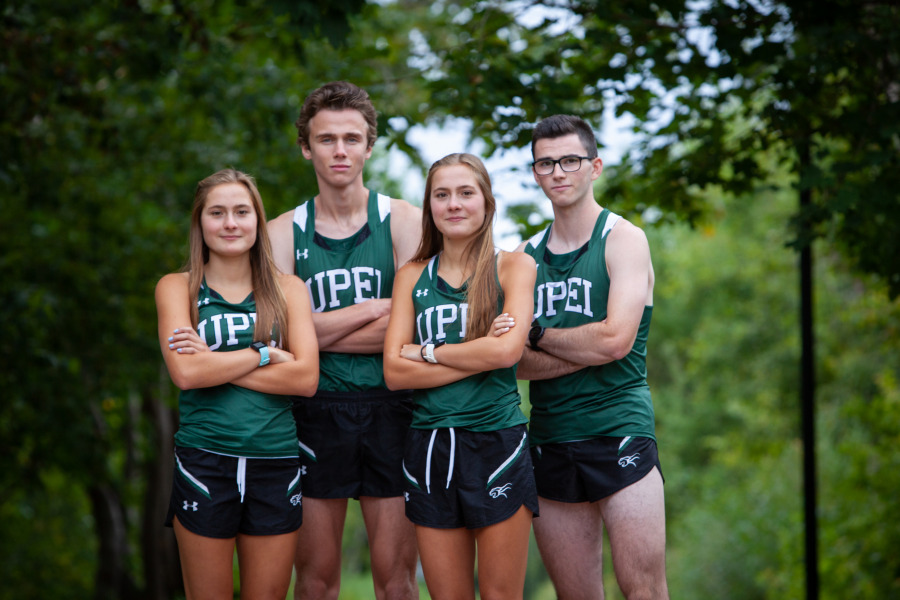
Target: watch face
[(257, 346)]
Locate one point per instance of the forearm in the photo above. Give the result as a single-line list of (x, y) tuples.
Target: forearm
[(333, 326), (482, 354), (592, 344), (289, 379), (368, 339), (536, 365), (401, 373)]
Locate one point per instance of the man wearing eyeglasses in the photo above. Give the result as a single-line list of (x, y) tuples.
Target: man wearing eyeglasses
[(592, 425)]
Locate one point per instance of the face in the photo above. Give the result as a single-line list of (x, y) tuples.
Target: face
[(228, 220), (457, 203), (562, 188), (337, 146)]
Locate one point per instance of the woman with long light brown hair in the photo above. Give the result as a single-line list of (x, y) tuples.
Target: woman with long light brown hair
[(238, 339), (452, 338)]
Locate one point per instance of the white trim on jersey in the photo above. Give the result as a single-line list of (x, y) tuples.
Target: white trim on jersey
[(611, 221), (384, 206), (300, 216)]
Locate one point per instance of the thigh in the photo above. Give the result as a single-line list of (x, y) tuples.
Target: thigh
[(502, 551), (448, 562), (392, 538), (318, 552), (265, 563), (570, 539), (636, 521), (206, 564)]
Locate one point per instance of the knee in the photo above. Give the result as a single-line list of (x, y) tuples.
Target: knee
[(315, 588)]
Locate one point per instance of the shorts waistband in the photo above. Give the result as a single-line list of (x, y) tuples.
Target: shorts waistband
[(377, 395)]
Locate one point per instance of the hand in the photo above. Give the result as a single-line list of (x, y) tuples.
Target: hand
[(502, 324), (412, 352), (381, 307), (187, 341), (277, 355)]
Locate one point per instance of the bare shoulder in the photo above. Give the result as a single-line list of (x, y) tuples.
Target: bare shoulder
[(290, 283), (515, 261), (521, 247), (172, 282), (282, 221), (628, 235), (411, 270)]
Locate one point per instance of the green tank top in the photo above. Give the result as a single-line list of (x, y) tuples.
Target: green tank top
[(229, 419), (341, 273), (572, 289), (486, 401)]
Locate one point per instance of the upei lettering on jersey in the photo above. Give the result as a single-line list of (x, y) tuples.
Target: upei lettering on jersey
[(572, 295), (437, 320), (230, 323), (326, 287)]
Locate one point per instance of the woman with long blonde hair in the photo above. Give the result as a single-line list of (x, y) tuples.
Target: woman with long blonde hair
[(238, 339), (452, 338)]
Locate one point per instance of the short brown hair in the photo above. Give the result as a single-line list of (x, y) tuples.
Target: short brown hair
[(337, 95)]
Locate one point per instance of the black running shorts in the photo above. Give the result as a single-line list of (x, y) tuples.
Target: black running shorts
[(460, 478), (351, 444), (590, 470), (220, 496)]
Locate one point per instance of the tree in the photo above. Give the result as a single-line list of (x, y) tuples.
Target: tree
[(710, 85)]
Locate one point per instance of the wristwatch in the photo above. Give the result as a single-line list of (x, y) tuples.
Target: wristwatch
[(263, 350), (534, 336), (427, 351)]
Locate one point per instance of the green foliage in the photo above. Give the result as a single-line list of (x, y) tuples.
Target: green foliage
[(723, 367), (813, 82)]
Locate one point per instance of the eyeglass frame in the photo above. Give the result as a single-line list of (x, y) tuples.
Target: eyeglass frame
[(558, 161)]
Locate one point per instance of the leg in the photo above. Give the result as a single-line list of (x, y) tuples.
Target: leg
[(206, 564), (503, 557), (448, 560), (570, 539), (318, 556), (636, 519), (265, 563), (392, 545)]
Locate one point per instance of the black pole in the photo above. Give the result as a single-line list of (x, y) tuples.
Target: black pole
[(807, 403)]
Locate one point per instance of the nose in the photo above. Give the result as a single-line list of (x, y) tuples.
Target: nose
[(339, 148), (230, 221)]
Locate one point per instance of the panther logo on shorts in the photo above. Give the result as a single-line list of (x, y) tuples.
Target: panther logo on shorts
[(296, 499), (629, 460), (500, 491)]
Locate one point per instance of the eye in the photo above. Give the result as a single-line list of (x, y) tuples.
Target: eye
[(570, 161), (544, 164)]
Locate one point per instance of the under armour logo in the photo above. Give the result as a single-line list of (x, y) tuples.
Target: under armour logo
[(303, 469), (629, 460), (202, 302), (296, 499), (304, 254), (501, 491), (188, 505), (406, 496), (421, 293)]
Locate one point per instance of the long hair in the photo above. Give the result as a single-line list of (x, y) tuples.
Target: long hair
[(337, 95), (482, 292), (271, 307)]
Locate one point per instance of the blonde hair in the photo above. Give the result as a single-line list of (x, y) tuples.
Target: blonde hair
[(271, 307), (482, 292)]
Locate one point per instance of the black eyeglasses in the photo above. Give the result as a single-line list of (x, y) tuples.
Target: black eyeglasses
[(568, 164)]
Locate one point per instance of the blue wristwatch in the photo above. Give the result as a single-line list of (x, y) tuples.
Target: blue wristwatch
[(263, 350)]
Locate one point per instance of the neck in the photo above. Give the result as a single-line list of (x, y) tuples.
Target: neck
[(573, 225), (233, 270), (457, 261)]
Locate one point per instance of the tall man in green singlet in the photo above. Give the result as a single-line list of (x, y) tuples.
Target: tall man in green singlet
[(592, 425), (346, 243)]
